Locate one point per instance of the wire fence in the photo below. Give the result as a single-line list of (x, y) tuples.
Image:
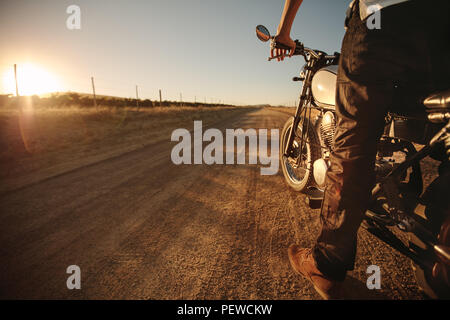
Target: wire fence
[(98, 91)]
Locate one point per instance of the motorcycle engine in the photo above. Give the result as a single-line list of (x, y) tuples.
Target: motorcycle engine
[(327, 129), (383, 168)]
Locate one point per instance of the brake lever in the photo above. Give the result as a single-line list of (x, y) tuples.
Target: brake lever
[(276, 57), (275, 45)]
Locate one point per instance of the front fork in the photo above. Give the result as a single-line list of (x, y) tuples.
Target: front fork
[(301, 110)]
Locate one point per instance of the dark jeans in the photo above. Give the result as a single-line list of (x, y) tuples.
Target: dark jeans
[(391, 68)]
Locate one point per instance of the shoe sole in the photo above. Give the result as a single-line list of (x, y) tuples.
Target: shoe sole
[(322, 294)]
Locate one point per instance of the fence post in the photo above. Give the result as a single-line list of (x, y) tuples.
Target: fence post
[(137, 98), (93, 90), (15, 76)]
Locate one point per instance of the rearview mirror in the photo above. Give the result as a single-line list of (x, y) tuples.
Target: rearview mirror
[(262, 33)]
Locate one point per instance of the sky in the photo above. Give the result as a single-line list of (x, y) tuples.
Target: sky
[(203, 50)]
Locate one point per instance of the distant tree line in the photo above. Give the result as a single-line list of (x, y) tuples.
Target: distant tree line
[(87, 100)]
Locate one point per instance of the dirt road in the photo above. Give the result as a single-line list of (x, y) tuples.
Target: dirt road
[(140, 227)]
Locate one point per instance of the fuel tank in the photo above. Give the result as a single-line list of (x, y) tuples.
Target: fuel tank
[(324, 86)]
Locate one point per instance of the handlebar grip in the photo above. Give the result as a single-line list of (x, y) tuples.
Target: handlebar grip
[(299, 49), (278, 45)]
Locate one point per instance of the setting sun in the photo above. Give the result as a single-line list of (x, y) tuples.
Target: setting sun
[(31, 79)]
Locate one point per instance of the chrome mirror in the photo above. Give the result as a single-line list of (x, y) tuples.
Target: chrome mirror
[(262, 33)]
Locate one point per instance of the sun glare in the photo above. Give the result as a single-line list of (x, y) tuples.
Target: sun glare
[(31, 79)]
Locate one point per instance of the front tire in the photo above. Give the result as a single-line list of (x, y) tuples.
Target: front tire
[(300, 177)]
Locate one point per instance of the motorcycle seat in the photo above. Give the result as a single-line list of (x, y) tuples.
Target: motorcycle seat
[(438, 102)]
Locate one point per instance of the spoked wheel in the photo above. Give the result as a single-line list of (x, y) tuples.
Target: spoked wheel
[(298, 171)]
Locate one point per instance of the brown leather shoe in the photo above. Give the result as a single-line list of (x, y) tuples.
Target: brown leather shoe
[(303, 263)]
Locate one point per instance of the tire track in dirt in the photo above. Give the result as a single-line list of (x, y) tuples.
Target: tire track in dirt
[(250, 199), (274, 224)]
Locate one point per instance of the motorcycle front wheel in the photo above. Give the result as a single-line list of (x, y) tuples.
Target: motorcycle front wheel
[(299, 175)]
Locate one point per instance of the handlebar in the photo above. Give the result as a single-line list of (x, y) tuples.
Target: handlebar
[(301, 50), (264, 35)]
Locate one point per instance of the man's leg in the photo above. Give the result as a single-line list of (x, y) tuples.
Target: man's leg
[(360, 124), (373, 62)]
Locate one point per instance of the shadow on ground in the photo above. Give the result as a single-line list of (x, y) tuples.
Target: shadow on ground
[(355, 289)]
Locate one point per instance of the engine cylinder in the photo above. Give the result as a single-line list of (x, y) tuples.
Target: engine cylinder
[(328, 129)]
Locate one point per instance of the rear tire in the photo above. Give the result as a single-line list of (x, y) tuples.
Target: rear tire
[(438, 217), (301, 177), (432, 287)]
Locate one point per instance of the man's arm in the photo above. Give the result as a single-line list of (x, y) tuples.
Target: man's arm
[(284, 29)]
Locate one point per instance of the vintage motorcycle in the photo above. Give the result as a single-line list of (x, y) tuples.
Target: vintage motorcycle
[(398, 203)]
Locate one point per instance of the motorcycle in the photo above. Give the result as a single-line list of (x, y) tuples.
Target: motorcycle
[(398, 202)]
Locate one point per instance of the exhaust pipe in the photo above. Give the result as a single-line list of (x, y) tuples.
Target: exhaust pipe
[(443, 252)]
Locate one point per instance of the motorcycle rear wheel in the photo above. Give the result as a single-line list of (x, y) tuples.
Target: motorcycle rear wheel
[(301, 177), (438, 218)]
